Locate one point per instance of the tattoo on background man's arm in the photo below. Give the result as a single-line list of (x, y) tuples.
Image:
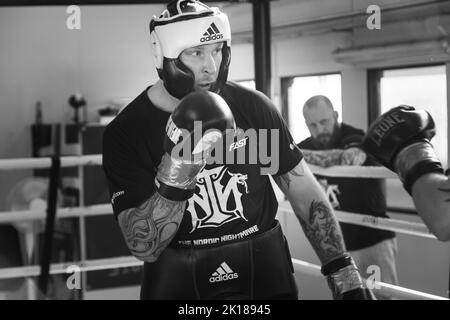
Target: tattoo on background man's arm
[(323, 232), (284, 180), (324, 158), (149, 228)]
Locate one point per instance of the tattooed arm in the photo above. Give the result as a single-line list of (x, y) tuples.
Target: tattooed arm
[(323, 158), (431, 195), (335, 157), (314, 212), (149, 228)]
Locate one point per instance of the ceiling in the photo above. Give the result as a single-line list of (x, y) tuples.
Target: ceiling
[(88, 2)]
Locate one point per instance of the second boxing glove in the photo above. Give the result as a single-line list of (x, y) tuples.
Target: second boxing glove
[(400, 140)]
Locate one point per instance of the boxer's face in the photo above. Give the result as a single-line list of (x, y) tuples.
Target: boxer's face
[(204, 61), (321, 121)]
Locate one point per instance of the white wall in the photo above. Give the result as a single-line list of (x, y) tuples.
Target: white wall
[(42, 60)]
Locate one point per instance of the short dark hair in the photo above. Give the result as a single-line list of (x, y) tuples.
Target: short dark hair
[(316, 100)]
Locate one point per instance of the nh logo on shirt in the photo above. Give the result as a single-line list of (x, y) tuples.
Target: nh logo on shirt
[(218, 200), (223, 273)]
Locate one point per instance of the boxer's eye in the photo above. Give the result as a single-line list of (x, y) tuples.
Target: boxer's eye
[(194, 53)]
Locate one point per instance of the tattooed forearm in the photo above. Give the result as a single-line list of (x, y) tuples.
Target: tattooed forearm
[(284, 180), (323, 232), (149, 228), (323, 158)]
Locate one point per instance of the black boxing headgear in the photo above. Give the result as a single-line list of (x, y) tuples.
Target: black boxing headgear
[(186, 24)]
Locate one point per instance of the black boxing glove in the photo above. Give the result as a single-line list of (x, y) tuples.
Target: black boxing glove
[(400, 140), (201, 118), (345, 281)]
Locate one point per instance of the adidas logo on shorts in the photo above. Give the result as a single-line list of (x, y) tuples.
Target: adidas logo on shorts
[(223, 273), (212, 33)]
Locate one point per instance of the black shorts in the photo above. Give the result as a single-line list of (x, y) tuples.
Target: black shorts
[(255, 268)]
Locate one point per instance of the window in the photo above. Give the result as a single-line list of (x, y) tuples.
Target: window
[(300, 89), (423, 88)]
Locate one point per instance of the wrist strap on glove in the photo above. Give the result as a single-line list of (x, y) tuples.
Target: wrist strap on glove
[(342, 276), (416, 160), (176, 178), (172, 193)]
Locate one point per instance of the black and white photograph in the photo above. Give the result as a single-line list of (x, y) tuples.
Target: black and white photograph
[(224, 155)]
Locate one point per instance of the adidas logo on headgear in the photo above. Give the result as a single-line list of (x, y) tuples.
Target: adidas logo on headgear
[(223, 273), (212, 33)]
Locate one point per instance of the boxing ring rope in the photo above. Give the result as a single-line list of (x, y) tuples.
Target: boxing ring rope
[(354, 172), (406, 227), (67, 212), (124, 262), (412, 228), (61, 268), (96, 159), (385, 288), (46, 162)]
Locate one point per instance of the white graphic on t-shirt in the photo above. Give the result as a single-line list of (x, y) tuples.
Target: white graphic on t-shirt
[(219, 199), (332, 191)]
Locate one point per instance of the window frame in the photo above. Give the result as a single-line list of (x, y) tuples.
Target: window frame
[(374, 76)]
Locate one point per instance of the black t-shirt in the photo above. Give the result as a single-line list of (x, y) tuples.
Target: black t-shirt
[(231, 201), (365, 196)]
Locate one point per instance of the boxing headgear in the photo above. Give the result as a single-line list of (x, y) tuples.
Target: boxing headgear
[(186, 24)]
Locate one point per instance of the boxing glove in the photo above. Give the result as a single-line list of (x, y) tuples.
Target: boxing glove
[(400, 140), (345, 281), (201, 118)]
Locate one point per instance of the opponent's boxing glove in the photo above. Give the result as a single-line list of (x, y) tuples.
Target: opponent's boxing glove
[(400, 140), (201, 118), (345, 281)]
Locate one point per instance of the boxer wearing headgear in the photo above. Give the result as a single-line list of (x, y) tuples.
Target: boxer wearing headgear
[(207, 229), (400, 140), (186, 24)]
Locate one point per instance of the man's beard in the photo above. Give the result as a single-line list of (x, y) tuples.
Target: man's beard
[(327, 140)]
